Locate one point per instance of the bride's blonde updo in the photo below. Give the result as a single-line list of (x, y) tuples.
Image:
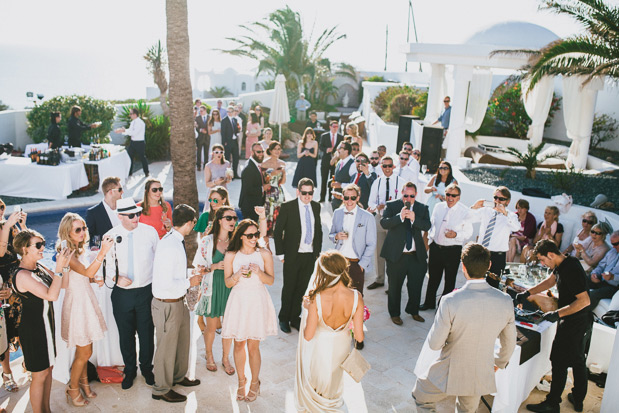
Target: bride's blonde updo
[(329, 266)]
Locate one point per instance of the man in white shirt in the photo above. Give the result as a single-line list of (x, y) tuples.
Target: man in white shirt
[(384, 189), (130, 267), (102, 217), (450, 230), (497, 224), (136, 130), (170, 316), (404, 171), (414, 155), (375, 163)]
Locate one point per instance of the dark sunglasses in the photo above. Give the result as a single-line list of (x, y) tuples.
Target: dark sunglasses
[(252, 235), (452, 195), (446, 101), (500, 198), (416, 154), (78, 230), (213, 200), (387, 166), (404, 159), (360, 161), (374, 158), (408, 196), (154, 190), (443, 168), (230, 217), (586, 221), (598, 233), (2, 207), (350, 198), (39, 245), (615, 243), (132, 215), (258, 151), (307, 192)]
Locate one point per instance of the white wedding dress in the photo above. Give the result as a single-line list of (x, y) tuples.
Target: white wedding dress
[(319, 377)]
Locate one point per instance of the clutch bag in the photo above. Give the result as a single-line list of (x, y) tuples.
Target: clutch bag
[(355, 365)]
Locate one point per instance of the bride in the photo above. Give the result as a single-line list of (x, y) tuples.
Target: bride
[(325, 340)]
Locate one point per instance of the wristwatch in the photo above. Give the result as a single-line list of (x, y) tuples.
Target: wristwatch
[(58, 274)]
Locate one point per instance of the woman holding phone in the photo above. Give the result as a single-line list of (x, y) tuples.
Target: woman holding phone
[(156, 211), (274, 170)]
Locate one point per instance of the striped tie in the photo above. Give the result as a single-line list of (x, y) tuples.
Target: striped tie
[(489, 230)]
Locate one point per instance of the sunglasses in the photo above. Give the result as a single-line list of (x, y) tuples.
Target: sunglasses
[(615, 243), (230, 217), (443, 168), (586, 221), (132, 215), (252, 235), (416, 153), (213, 200), (387, 166), (350, 198), (307, 192), (404, 159), (452, 195), (217, 152), (2, 207), (39, 245), (258, 151), (154, 190), (446, 101), (78, 230), (408, 196), (500, 198), (374, 159), (597, 233)]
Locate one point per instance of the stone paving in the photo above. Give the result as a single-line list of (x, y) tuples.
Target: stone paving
[(392, 351)]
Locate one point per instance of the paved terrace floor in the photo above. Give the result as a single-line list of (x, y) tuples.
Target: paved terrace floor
[(392, 350)]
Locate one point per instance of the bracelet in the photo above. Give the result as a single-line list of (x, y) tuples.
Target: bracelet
[(98, 260)]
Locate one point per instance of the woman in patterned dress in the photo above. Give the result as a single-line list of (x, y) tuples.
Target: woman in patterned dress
[(274, 170)]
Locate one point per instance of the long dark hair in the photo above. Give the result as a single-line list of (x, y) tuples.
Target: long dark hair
[(438, 178), (308, 131), (236, 242), (211, 121), (216, 227)]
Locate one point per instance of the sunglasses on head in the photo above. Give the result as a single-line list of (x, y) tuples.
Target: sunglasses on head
[(39, 244), (154, 190), (409, 196), (230, 217), (132, 215), (307, 192), (213, 200), (500, 198), (586, 221), (386, 165), (252, 235), (80, 229), (350, 198), (452, 195), (217, 152), (597, 233)]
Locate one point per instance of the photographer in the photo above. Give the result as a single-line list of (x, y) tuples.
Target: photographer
[(363, 178)]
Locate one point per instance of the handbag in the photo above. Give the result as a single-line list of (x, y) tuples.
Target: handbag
[(4, 344), (355, 365)]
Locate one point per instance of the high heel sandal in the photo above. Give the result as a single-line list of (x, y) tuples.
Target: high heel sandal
[(211, 366), (256, 393), (85, 386), (228, 369), (239, 397), (9, 383), (74, 401)]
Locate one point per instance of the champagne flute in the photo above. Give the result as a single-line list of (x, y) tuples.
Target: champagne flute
[(424, 169), (5, 287)]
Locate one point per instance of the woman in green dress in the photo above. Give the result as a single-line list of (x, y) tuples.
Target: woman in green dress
[(217, 197), (212, 304)]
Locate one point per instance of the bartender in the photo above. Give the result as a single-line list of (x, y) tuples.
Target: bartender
[(75, 127), (571, 342)]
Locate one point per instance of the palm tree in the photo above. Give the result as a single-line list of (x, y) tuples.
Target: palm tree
[(182, 141), (220, 92), (530, 159), (157, 63), (286, 51), (593, 54)]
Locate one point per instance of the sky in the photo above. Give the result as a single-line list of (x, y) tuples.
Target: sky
[(96, 48)]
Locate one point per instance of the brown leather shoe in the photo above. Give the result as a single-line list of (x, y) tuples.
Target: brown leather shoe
[(170, 397), (419, 318), (187, 383), (397, 321)]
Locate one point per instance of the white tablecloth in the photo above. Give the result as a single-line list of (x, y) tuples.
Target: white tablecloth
[(116, 165), (22, 178), (35, 147), (515, 383)]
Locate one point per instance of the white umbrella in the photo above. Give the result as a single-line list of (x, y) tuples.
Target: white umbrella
[(279, 110)]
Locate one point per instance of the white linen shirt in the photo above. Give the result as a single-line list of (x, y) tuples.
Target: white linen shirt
[(303, 247), (136, 129), (504, 226), (377, 193), (348, 225), (112, 214), (170, 267), (408, 174), (145, 240), (455, 219)]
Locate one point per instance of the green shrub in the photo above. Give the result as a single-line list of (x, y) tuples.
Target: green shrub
[(401, 104), (375, 78), (143, 108), (604, 130), (565, 180), (93, 110), (381, 104), (157, 135)]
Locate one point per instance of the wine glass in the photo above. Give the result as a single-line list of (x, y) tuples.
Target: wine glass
[(424, 169), (5, 287), (96, 243)]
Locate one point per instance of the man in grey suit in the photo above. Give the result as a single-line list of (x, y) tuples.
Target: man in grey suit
[(465, 329)]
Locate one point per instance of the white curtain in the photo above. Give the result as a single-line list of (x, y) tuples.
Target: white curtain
[(578, 111), (436, 93), (479, 93), (537, 104)]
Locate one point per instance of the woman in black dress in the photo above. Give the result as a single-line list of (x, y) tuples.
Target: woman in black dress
[(307, 151), (53, 132), (37, 286)]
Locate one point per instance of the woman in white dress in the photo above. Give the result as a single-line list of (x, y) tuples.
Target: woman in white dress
[(214, 128), (325, 342)]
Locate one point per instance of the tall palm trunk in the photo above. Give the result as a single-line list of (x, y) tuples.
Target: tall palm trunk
[(182, 138)]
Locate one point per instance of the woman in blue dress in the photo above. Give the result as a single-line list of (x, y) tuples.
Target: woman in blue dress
[(307, 151)]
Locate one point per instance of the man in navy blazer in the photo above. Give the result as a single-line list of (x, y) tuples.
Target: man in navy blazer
[(229, 138), (405, 252), (363, 179), (103, 217), (252, 184), (353, 230)]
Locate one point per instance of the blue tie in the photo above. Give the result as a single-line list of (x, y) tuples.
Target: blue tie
[(130, 261), (308, 226), (409, 234), (489, 229)]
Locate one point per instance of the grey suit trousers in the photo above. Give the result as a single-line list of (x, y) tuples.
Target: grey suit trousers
[(426, 395), (172, 337), (381, 234)]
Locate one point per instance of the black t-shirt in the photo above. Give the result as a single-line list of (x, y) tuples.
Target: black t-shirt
[(571, 281)]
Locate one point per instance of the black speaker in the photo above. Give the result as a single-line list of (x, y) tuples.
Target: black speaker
[(431, 142), (405, 125)]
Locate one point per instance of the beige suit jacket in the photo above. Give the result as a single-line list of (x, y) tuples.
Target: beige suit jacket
[(465, 329)]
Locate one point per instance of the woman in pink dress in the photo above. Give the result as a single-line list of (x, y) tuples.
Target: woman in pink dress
[(250, 316), (82, 321), (253, 133)]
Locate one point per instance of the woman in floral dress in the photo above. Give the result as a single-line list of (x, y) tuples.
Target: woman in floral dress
[(274, 170)]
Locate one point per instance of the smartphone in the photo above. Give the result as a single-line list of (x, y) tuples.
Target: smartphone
[(489, 204), (17, 208), (63, 244)]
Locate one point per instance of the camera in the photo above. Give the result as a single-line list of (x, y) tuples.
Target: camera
[(117, 239)]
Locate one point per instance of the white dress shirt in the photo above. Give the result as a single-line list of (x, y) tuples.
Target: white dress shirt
[(379, 189), (348, 225), (455, 219), (376, 169), (408, 174), (136, 129), (413, 164), (170, 267), (504, 226), (112, 214), (303, 247), (413, 247), (145, 240)]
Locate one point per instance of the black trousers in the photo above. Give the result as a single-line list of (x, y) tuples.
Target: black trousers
[(326, 170), (409, 265), (298, 270), (441, 259), (132, 311), (138, 148), (232, 155), (498, 260), (569, 349), (203, 142)]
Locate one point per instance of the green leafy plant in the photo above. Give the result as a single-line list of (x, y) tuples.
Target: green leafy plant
[(156, 64), (220, 92), (401, 104), (93, 110), (530, 159), (143, 108), (157, 134), (375, 78), (565, 180), (604, 130), (383, 101), (3, 106)]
